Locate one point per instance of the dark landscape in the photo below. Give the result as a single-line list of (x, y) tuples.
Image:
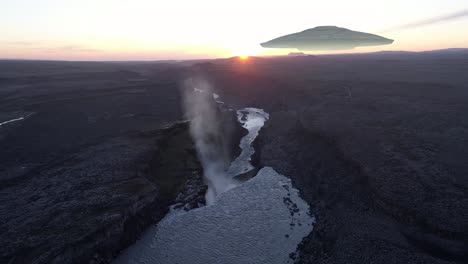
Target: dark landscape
[(377, 144)]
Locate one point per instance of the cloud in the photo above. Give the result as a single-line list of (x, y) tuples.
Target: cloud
[(326, 38), (72, 48), (431, 21), (20, 43), (50, 47)]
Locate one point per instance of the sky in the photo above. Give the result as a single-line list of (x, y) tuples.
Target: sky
[(193, 29)]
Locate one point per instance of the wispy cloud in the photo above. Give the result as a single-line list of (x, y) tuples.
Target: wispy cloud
[(50, 48), (20, 43), (76, 48), (431, 21)]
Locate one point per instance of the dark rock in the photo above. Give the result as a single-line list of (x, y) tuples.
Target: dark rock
[(87, 207)]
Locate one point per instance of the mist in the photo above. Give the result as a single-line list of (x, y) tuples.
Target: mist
[(207, 132)]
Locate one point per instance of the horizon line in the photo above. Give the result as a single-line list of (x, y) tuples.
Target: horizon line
[(188, 60)]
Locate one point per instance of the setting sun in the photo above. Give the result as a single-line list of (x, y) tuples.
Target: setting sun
[(244, 51)]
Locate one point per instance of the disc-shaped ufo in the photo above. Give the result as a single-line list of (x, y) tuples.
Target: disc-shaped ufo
[(326, 38)]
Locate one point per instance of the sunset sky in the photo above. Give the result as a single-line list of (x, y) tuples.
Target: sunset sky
[(153, 30)]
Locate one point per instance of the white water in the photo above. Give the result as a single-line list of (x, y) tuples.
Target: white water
[(253, 120)]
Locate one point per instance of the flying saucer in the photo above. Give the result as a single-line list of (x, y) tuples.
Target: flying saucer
[(326, 38)]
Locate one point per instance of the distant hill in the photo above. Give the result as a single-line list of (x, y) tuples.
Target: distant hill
[(447, 51), (441, 51), (452, 53), (297, 54)]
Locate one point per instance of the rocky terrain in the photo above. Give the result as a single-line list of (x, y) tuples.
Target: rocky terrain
[(376, 143), (82, 174)]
